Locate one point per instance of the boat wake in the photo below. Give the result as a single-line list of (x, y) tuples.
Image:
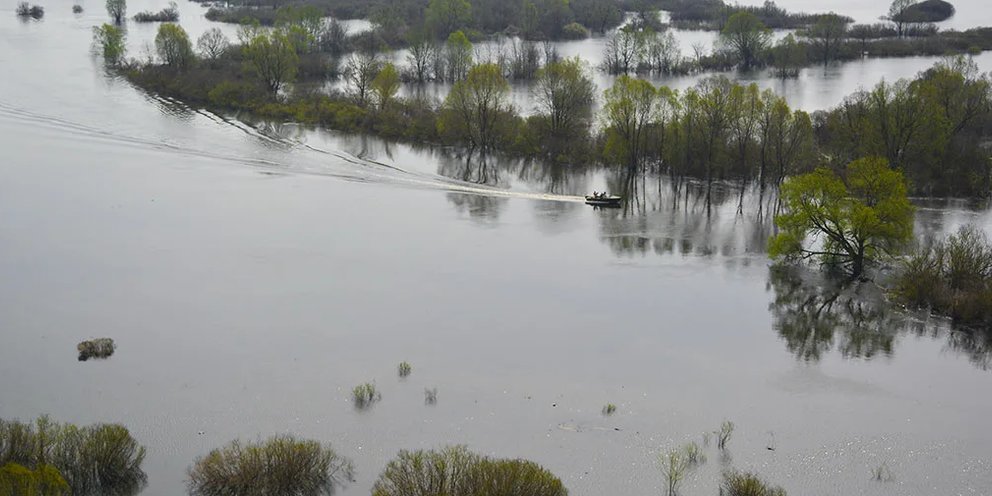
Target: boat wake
[(271, 153)]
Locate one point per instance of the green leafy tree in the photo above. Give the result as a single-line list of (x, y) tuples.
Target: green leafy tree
[(826, 36), (849, 221), (788, 57), (305, 24), (447, 16), (17, 480), (273, 60), (748, 36), (110, 39), (565, 94), (173, 46), (458, 56), (628, 110), (475, 105), (117, 10), (385, 85)]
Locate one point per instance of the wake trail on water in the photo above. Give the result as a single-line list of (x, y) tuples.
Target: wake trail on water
[(363, 170)]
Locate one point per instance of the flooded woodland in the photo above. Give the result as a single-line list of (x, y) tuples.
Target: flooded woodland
[(252, 272)]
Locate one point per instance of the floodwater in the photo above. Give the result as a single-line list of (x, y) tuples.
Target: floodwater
[(253, 273)]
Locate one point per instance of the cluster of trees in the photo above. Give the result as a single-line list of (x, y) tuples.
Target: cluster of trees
[(400, 22), (25, 9), (714, 14), (168, 14)]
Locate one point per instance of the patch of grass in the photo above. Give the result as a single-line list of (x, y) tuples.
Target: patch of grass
[(404, 369), (609, 409), (101, 459), (723, 435), (430, 396), (455, 471), (747, 484), (364, 395), (279, 465), (96, 348)]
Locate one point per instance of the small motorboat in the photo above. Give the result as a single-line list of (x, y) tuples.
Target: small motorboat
[(603, 200)]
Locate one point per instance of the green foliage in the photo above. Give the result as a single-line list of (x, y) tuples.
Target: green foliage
[(385, 85), (110, 39), (609, 409), (826, 36), (458, 56), (455, 471), (279, 465), (447, 16), (848, 221), (96, 348), (17, 480), (364, 395), (574, 31), (404, 369), (168, 14), (273, 59), (117, 10), (173, 46), (476, 107), (746, 35), (98, 460), (747, 484), (628, 108), (952, 276), (788, 57)]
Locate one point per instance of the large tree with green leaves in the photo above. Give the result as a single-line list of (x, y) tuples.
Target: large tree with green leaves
[(826, 35), (565, 94), (475, 106), (272, 58), (748, 36), (110, 38), (628, 110), (848, 221), (173, 46)]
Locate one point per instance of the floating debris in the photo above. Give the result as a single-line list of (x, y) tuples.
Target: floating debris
[(96, 348)]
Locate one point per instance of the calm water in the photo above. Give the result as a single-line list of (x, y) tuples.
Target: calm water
[(252, 274)]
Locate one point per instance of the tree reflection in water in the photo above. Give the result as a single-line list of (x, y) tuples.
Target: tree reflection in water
[(484, 209), (815, 315)]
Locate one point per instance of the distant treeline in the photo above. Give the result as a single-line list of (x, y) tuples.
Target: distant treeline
[(396, 20), (714, 14), (934, 128)]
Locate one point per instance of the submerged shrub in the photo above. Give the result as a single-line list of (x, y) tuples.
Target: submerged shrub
[(723, 435), (430, 396), (96, 348), (455, 471), (77, 9), (952, 277), (365, 395), (747, 484), (282, 465), (32, 11), (404, 369), (609, 409), (97, 460)]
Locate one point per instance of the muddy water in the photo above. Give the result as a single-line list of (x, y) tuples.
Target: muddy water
[(252, 274)]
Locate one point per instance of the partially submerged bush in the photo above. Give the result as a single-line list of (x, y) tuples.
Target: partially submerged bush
[(168, 14), (723, 435), (609, 409), (455, 471), (32, 11), (282, 465), (952, 277), (430, 396), (404, 369), (96, 460), (365, 395), (747, 484), (677, 463), (77, 9), (96, 348)]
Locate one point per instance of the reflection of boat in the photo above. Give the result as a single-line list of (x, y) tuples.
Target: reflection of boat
[(603, 200)]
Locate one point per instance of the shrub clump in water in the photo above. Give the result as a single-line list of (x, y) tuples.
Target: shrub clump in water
[(168, 14), (97, 460), (455, 471), (32, 11), (96, 348), (77, 9), (364, 395), (747, 484), (404, 369), (282, 465), (952, 277)]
